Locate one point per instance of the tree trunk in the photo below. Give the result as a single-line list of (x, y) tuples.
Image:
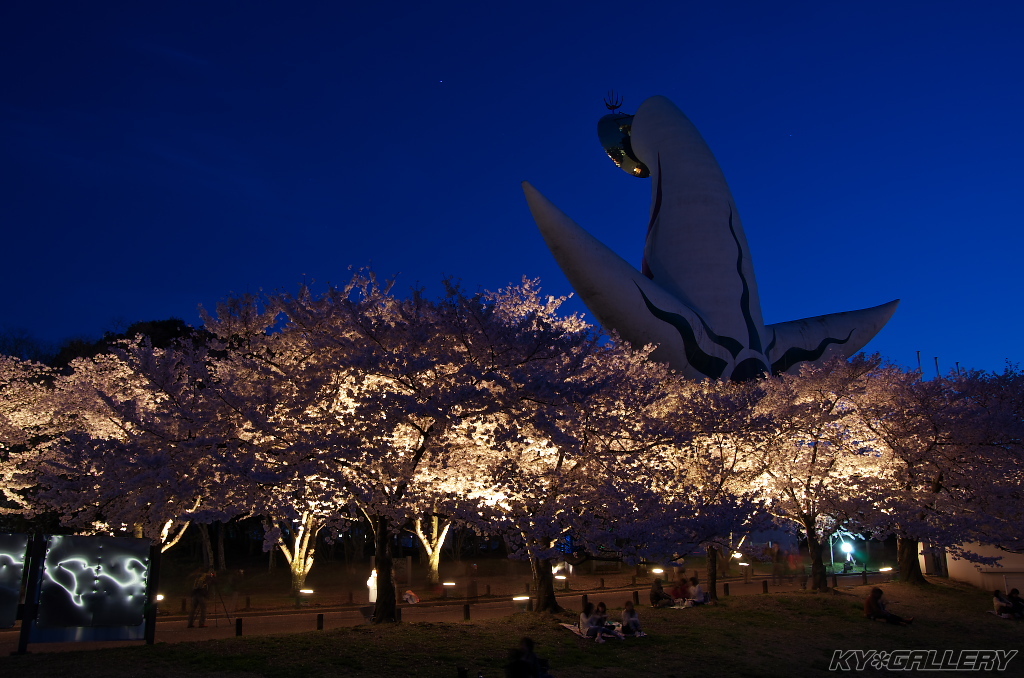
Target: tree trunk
[(910, 564), (300, 553), (431, 544), (712, 572), (386, 608), (204, 533), (222, 563), (298, 576), (544, 586), (819, 579)]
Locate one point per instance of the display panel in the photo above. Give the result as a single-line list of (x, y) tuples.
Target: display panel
[(13, 548), (93, 582)]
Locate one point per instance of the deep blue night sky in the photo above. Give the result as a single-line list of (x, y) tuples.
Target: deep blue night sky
[(156, 156)]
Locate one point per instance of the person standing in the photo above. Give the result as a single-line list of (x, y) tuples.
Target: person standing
[(200, 594)]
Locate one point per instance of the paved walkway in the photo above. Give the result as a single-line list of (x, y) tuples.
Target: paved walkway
[(172, 629)]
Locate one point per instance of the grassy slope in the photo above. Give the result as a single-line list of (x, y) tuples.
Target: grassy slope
[(770, 635)]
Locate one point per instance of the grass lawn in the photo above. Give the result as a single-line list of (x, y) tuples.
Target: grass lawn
[(785, 634)]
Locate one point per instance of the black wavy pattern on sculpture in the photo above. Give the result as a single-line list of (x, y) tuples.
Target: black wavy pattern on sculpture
[(771, 345), (655, 211), (753, 336), (708, 365), (798, 355), (733, 346)]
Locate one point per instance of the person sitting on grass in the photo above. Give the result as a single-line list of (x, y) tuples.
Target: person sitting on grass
[(680, 591), (590, 625), (524, 663), (1018, 603), (601, 616), (874, 608), (696, 593), (631, 621), (658, 596), (1001, 605)]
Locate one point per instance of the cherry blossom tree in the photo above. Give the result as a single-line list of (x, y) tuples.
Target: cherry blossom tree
[(821, 465), (26, 428), (955, 446), (578, 471), (709, 473), (137, 444)]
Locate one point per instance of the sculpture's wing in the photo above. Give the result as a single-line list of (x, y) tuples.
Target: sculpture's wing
[(821, 337), (625, 300)]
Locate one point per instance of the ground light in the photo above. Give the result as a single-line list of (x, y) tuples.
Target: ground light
[(446, 586), (302, 598)]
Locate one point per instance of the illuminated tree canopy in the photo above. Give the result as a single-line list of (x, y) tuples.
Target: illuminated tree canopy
[(496, 413)]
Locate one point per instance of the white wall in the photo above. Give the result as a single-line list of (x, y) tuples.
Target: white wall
[(987, 577)]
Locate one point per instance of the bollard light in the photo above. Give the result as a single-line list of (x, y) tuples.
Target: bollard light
[(521, 602), (446, 586)]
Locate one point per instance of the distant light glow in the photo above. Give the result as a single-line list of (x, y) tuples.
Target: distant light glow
[(306, 591), (744, 564), (737, 555), (658, 570), (846, 547), (159, 597), (518, 598), (448, 583), (885, 569), (559, 576)]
